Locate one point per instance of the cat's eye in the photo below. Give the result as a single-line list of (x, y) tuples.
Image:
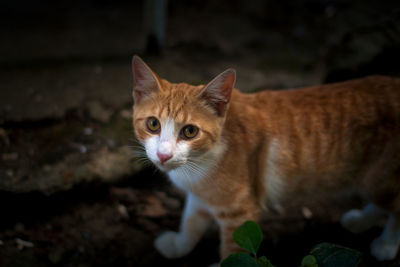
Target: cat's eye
[(189, 131), (153, 125)]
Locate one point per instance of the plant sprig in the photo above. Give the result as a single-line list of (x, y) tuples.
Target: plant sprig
[(248, 236)]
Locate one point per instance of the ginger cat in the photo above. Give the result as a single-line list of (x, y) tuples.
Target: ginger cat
[(233, 152)]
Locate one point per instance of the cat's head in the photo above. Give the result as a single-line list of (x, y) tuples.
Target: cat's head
[(178, 123)]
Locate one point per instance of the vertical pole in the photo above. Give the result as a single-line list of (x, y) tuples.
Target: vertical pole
[(155, 18)]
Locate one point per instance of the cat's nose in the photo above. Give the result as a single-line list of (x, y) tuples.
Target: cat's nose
[(163, 157), (164, 151)]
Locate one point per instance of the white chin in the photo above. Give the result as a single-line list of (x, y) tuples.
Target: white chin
[(163, 167), (167, 167)]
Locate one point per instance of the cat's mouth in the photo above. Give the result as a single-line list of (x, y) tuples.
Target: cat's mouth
[(169, 165)]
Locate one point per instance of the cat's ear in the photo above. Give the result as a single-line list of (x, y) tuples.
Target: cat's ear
[(218, 91), (145, 81)]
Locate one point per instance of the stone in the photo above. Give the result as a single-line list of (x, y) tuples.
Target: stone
[(99, 112), (124, 194), (21, 244), (10, 156), (307, 214), (123, 211), (152, 208)]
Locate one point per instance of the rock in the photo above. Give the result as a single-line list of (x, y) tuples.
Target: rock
[(124, 194), (126, 113), (10, 173), (88, 131), (102, 165), (19, 227), (307, 214), (99, 112), (4, 136), (123, 211), (56, 256), (148, 224), (82, 148), (169, 202), (57, 156), (21, 244), (152, 208), (10, 156), (111, 143), (110, 165)]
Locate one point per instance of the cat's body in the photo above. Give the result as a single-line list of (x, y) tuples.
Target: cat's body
[(269, 147)]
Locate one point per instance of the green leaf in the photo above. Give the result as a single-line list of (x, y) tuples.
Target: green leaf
[(331, 255), (248, 236), (264, 262), (309, 261), (239, 259)]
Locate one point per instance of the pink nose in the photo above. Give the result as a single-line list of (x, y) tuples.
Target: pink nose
[(164, 157)]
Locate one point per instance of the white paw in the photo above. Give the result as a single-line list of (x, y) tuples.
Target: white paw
[(383, 249), (170, 245), (354, 222)]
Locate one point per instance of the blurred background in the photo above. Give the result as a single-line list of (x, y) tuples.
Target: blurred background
[(71, 192)]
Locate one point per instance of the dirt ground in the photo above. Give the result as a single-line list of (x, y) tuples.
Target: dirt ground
[(115, 225), (72, 192)]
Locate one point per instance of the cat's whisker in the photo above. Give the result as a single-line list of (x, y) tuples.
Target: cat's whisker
[(138, 155), (194, 165), (139, 152), (143, 161), (141, 148), (195, 170)]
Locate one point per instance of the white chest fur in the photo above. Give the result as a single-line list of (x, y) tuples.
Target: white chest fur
[(273, 183), (187, 176)]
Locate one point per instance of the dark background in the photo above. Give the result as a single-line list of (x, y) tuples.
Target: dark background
[(70, 184)]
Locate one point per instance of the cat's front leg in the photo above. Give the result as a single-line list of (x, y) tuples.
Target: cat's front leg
[(194, 223), (386, 246), (229, 220)]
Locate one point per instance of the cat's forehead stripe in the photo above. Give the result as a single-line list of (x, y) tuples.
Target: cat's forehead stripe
[(173, 109)]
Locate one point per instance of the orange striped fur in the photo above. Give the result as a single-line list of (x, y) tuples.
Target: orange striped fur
[(252, 149)]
